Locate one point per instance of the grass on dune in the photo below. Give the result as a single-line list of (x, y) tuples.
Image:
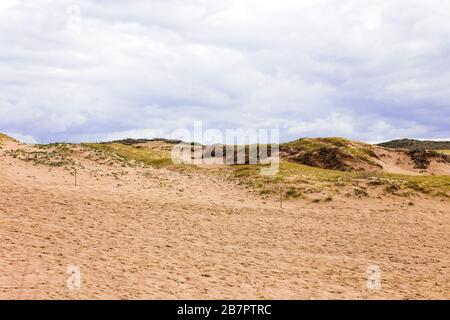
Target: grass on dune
[(425, 184), (296, 179), (290, 170), (357, 149), (4, 137), (293, 178), (54, 155), (156, 158)]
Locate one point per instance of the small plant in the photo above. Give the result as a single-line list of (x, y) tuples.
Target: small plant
[(416, 186), (392, 188), (292, 192), (442, 194), (360, 192)]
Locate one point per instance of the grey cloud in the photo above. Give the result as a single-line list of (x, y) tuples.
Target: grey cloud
[(324, 68)]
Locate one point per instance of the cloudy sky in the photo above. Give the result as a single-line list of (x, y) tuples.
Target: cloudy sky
[(89, 70)]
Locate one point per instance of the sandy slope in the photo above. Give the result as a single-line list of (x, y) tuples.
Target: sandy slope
[(397, 161), (153, 233)]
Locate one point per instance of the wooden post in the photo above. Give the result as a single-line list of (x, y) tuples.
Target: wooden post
[(75, 175), (281, 197)]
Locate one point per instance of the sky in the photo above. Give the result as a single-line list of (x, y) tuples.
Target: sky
[(88, 70)]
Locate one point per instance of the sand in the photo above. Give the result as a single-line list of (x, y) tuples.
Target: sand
[(398, 162), (159, 234)]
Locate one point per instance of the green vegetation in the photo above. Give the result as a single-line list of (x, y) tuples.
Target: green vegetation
[(424, 184), (358, 149), (444, 151), (293, 179), (289, 170), (128, 154), (330, 153), (4, 137), (53, 155), (416, 144), (130, 141), (297, 179)]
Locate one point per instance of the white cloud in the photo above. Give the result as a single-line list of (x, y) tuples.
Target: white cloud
[(368, 71), (5, 4)]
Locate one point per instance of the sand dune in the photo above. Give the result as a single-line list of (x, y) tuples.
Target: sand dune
[(146, 233)]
